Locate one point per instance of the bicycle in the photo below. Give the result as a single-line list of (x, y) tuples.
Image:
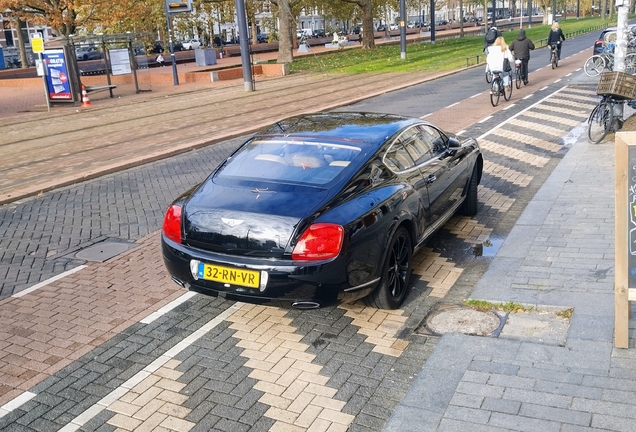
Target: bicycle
[(554, 58), (518, 79), (602, 119), (497, 88), (599, 62)]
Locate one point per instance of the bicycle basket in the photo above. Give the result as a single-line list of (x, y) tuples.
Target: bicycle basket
[(617, 84)]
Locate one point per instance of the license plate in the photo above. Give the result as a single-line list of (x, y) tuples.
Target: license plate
[(233, 276)]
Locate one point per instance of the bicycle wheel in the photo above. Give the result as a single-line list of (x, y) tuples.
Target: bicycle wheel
[(507, 90), (488, 76), (630, 64), (518, 78), (594, 65), (554, 60), (495, 91), (600, 122)]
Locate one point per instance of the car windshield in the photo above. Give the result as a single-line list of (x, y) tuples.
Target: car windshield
[(314, 163)]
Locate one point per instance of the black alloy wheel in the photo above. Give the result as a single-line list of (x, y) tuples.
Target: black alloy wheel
[(396, 273)]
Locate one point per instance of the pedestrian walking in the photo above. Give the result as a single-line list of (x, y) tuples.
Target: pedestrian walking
[(521, 47), (554, 38)]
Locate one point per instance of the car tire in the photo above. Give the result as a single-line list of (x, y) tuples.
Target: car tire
[(469, 206), (396, 273)]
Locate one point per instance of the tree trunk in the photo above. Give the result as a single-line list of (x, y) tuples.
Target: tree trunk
[(23, 59), (368, 40), (286, 33)]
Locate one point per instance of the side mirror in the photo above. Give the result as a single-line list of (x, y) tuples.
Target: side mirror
[(453, 143)]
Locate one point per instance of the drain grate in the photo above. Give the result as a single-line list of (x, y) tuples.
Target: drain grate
[(103, 251)]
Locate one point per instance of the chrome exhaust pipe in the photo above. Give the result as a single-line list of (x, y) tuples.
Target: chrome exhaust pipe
[(178, 282), (305, 305)]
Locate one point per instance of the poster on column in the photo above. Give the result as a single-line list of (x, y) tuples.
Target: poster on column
[(57, 79)]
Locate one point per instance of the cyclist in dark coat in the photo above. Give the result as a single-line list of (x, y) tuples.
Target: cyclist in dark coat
[(555, 38), (521, 48)]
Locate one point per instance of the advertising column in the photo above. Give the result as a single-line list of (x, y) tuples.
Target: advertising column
[(58, 81)]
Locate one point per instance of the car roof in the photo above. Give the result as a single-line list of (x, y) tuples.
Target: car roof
[(361, 127)]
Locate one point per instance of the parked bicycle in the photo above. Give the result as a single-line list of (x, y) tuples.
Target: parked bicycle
[(598, 63), (604, 118), (498, 89)]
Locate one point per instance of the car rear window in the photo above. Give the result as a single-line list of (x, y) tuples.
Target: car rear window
[(314, 163)]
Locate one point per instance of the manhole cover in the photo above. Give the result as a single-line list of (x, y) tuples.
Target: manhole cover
[(457, 319), (103, 251)]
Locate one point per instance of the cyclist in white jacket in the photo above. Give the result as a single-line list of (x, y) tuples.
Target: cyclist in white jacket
[(495, 55)]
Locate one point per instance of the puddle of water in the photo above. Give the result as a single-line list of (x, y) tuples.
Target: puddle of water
[(488, 248), (573, 136)]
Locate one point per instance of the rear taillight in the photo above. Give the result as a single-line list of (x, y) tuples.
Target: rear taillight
[(320, 241), (172, 223)]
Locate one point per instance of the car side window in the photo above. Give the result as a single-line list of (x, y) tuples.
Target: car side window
[(418, 146), (436, 140), (397, 158)]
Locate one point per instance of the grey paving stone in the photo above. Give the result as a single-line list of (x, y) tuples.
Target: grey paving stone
[(451, 425), (432, 390), (603, 407), (494, 367), (612, 423), (568, 389), (539, 398), (412, 419), (468, 401), (477, 377), (485, 390), (465, 414), (562, 356), (501, 405), (555, 414), (524, 424), (511, 381), (609, 383)]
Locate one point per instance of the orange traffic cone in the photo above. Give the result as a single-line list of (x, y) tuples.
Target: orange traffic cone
[(85, 102)]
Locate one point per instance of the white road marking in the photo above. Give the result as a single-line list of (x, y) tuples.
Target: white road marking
[(486, 119), (485, 134), (103, 403), (16, 403), (48, 281), (167, 308)]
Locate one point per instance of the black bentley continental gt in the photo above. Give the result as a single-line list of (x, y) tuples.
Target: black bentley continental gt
[(321, 208)]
